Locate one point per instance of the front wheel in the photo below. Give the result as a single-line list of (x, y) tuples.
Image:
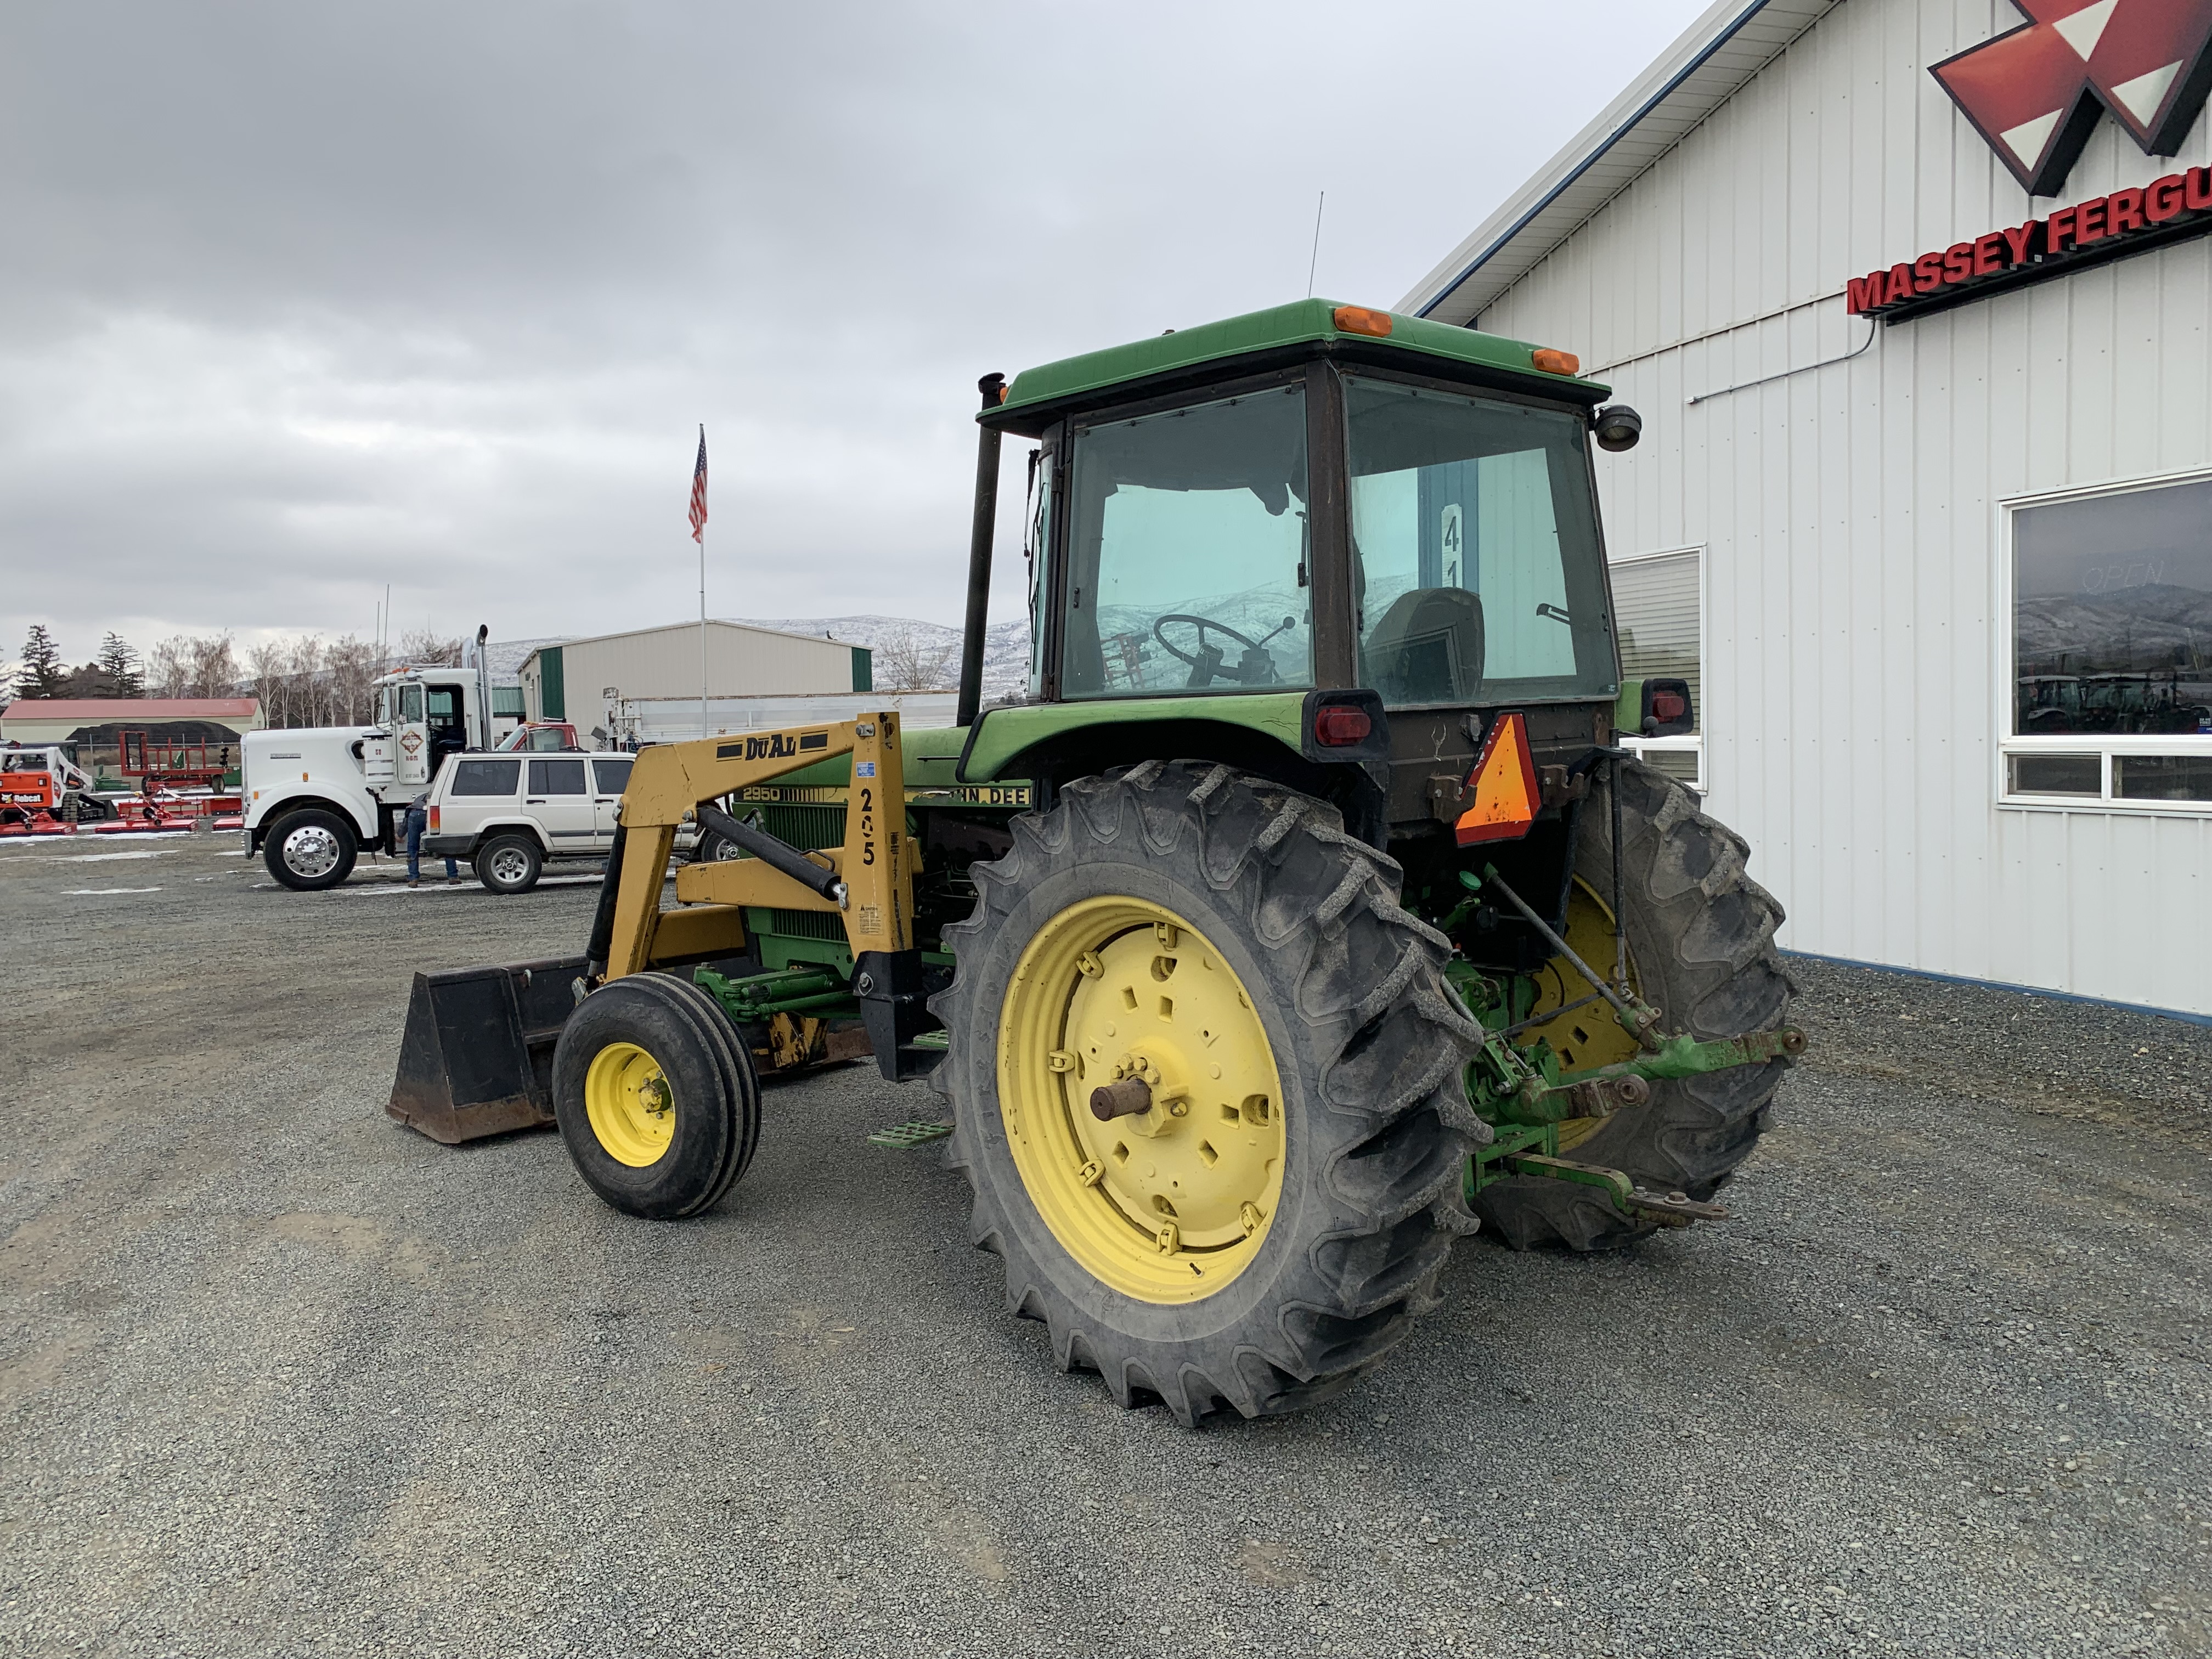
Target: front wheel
[(310, 850), (658, 1102), (1204, 1075)]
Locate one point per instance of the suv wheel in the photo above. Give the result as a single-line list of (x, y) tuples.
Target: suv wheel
[(509, 864)]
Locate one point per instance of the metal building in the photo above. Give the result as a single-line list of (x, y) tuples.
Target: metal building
[(1914, 298), (589, 681)]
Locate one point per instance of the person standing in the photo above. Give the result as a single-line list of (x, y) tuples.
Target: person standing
[(418, 817)]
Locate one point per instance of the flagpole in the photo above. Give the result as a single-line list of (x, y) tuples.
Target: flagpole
[(704, 731)]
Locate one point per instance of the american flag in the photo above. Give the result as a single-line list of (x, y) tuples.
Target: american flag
[(699, 492)]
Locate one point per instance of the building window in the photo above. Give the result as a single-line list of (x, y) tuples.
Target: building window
[(2108, 648), (1659, 612)]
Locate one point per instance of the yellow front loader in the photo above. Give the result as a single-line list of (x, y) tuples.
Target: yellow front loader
[(605, 1043)]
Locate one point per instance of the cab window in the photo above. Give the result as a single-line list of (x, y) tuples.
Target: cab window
[(1188, 546), (410, 704), (1476, 565)]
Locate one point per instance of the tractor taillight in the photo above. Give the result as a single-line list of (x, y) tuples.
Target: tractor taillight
[(1339, 726), (1553, 360), (1358, 320)]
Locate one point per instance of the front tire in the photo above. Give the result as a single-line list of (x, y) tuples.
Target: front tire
[(310, 850), (1223, 938), (657, 1100)]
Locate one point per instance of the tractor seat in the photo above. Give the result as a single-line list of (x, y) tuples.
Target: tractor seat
[(1428, 647)]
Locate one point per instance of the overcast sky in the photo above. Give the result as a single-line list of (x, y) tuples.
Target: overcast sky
[(299, 299)]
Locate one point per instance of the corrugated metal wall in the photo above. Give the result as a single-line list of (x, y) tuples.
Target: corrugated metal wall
[(1849, 513), (664, 662)]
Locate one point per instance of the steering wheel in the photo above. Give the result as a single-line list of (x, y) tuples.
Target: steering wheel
[(1206, 658)]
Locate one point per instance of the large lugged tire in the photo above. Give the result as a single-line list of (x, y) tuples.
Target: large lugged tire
[(657, 1100), (1701, 937), (1268, 1228), (310, 849)]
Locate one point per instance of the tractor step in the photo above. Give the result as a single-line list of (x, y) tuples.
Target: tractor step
[(918, 1132)]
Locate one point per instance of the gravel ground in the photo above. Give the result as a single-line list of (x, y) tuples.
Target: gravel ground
[(278, 1377)]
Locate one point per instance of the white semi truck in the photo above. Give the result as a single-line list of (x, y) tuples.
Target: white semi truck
[(316, 797)]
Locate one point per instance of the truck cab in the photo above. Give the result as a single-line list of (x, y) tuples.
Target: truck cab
[(316, 798)]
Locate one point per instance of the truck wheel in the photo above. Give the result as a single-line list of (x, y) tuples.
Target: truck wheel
[(509, 864), (657, 1100), (1701, 949), (310, 849), (1217, 959)]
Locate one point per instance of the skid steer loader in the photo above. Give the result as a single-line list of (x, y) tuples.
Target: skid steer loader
[(1303, 916)]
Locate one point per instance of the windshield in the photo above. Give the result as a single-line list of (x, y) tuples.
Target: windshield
[(1187, 567), (1477, 572)]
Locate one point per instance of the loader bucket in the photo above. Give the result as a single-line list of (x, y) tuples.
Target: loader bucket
[(477, 1056)]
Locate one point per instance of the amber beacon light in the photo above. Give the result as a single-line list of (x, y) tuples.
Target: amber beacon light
[(1553, 360), (1358, 320)]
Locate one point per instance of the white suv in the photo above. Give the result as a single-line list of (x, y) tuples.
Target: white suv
[(507, 814)]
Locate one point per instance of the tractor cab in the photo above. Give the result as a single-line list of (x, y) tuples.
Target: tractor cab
[(1377, 511)]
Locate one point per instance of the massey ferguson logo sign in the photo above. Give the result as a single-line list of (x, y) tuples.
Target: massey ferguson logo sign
[(2034, 93)]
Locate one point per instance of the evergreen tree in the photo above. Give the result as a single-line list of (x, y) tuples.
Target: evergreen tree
[(43, 674), (119, 669)]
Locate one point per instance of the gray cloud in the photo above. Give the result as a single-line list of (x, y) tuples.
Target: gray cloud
[(301, 300)]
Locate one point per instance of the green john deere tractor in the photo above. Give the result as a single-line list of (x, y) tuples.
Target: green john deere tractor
[(1302, 916)]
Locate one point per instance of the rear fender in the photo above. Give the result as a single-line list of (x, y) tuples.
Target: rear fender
[(484, 832), (1270, 735)]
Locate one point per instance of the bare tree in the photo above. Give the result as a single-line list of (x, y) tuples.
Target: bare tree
[(351, 666), (193, 665), (420, 647), (906, 660)]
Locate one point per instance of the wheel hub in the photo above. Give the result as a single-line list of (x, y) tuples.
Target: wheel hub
[(311, 851), (1170, 1202), (630, 1105)]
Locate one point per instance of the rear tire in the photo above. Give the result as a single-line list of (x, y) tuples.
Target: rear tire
[(310, 850), (1333, 995), (1701, 934), (509, 864), (657, 1100)]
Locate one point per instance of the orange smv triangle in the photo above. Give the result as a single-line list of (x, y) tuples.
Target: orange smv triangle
[(1504, 785)]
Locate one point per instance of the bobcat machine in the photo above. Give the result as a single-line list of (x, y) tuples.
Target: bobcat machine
[(316, 797), (1303, 917)]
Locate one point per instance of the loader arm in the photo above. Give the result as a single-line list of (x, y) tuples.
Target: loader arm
[(670, 785)]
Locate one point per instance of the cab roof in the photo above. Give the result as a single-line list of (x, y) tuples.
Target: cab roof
[(1263, 339)]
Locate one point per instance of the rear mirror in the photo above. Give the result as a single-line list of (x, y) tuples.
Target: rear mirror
[(1668, 711)]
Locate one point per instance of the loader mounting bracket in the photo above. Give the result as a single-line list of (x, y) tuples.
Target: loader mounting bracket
[(890, 989)]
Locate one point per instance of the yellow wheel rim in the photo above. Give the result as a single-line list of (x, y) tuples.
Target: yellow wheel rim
[(630, 1103), (1589, 1036), (1171, 1204)]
